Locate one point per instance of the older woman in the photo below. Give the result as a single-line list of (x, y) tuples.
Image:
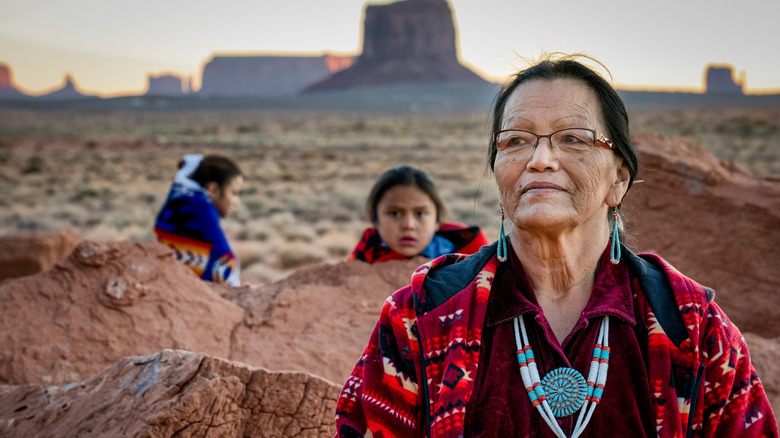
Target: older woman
[(557, 330)]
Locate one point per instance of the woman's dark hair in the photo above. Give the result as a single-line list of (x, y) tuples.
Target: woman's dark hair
[(404, 176), (215, 168), (613, 111)]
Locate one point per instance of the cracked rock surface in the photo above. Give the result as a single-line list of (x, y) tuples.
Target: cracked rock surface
[(174, 393), (28, 253)]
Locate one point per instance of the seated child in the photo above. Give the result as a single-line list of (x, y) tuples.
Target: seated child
[(406, 211), (204, 190)]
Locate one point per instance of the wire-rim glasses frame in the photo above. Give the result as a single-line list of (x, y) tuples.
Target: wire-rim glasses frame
[(592, 138)]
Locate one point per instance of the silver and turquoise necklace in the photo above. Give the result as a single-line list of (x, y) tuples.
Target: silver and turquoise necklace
[(563, 391)]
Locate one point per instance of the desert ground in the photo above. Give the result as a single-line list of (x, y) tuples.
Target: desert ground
[(106, 172)]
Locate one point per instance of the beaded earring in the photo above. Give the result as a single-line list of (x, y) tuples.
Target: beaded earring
[(502, 250), (614, 252)]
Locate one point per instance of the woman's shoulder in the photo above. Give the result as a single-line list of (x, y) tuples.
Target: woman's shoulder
[(444, 277), (683, 286)]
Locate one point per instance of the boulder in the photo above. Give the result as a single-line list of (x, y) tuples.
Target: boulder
[(317, 320), (765, 356), (115, 299), (174, 393), (30, 253), (713, 222), (106, 301)]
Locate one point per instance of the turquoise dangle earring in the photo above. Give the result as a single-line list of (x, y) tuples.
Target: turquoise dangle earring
[(614, 252), (502, 251)]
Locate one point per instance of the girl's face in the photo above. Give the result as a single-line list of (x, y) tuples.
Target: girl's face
[(226, 200), (406, 219)]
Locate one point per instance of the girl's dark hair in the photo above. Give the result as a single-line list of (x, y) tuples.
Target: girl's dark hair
[(404, 176), (613, 111), (215, 168)]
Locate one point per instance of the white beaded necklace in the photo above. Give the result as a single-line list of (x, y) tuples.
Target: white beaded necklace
[(564, 388)]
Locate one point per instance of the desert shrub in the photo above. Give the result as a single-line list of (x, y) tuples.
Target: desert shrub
[(86, 193), (34, 164), (254, 230), (298, 255)]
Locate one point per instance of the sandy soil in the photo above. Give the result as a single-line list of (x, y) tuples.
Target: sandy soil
[(106, 173)]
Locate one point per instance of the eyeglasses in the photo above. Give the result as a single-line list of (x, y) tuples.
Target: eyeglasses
[(570, 140)]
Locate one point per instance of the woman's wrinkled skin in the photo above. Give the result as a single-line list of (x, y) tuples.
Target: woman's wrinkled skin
[(556, 205)]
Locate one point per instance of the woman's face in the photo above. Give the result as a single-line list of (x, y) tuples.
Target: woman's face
[(226, 199), (406, 219), (550, 191)]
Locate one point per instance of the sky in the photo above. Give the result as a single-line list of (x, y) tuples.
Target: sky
[(109, 47)]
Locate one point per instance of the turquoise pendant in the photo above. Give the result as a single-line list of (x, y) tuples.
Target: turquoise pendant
[(565, 390)]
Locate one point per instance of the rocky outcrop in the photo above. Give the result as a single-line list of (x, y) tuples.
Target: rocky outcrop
[(714, 222), (266, 75), (30, 253), (410, 41), (720, 80), (68, 91), (317, 320), (174, 393), (7, 88), (765, 356), (166, 85), (106, 301), (116, 299)]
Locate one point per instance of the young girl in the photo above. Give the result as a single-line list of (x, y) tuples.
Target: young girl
[(406, 210), (204, 190)]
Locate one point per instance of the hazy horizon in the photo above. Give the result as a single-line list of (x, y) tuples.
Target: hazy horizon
[(109, 49)]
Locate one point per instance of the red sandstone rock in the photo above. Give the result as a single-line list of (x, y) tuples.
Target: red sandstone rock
[(106, 301), (29, 253), (716, 224), (174, 393), (765, 355), (317, 320)]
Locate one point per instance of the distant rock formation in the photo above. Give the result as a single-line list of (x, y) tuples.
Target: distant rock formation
[(166, 85), (7, 88), (266, 75), (410, 41), (27, 254), (174, 393), (68, 91), (720, 80)]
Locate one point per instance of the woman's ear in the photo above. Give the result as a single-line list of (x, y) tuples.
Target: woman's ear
[(619, 186)]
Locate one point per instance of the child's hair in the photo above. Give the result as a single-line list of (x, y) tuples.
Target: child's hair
[(215, 168), (404, 176)]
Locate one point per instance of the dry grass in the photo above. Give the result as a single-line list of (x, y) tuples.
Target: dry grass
[(308, 173)]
